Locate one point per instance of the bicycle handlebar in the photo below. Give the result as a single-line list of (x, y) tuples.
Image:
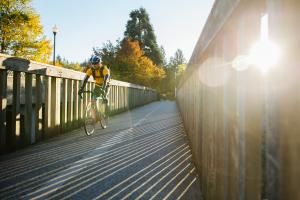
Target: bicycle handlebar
[(85, 91)]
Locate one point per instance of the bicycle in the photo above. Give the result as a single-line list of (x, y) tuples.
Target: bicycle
[(94, 113)]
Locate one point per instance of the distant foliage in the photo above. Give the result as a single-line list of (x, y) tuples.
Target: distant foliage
[(138, 59), (108, 53), (174, 70), (21, 33), (140, 29), (63, 62), (128, 63), (141, 68)]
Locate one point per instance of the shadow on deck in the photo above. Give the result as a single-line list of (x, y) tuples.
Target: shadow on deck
[(142, 155)]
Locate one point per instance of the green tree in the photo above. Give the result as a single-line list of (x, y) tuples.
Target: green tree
[(139, 28), (177, 65), (108, 53), (164, 57), (21, 33), (174, 71), (177, 60)]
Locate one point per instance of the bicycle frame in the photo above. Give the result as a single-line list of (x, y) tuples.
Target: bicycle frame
[(93, 101), (98, 112)]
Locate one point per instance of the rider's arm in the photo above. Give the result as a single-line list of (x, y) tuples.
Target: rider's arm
[(105, 80), (106, 75), (85, 80)]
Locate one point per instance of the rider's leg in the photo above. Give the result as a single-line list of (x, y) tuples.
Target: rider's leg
[(96, 94), (94, 104), (106, 101), (93, 109)]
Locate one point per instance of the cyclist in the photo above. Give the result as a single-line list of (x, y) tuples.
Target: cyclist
[(101, 75)]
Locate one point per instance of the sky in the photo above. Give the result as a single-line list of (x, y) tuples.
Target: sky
[(87, 24)]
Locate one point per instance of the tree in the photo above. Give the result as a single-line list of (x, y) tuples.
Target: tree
[(174, 71), (133, 66), (108, 53), (163, 55), (21, 33), (139, 28), (177, 60)]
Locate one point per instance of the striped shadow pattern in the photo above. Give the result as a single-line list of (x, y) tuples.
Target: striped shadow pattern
[(142, 155)]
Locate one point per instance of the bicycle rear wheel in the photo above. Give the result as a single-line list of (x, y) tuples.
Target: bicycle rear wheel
[(89, 120)]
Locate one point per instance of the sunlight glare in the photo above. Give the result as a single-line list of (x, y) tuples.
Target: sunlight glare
[(264, 55)]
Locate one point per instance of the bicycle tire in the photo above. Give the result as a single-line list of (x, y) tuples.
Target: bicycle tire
[(104, 115), (89, 120)]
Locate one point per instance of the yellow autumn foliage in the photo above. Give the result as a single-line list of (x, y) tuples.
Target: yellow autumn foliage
[(133, 66)]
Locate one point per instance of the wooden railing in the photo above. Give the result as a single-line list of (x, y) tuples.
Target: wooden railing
[(243, 120), (38, 101)]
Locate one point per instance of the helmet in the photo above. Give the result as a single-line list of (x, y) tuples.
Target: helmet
[(94, 60)]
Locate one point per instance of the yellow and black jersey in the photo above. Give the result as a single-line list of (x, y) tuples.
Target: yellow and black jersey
[(98, 74)]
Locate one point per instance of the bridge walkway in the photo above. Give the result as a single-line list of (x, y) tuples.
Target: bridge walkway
[(143, 154)]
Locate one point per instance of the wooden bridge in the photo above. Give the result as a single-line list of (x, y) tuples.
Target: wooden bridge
[(143, 153), (236, 137)]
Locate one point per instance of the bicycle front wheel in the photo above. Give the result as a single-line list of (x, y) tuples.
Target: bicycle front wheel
[(104, 115), (89, 119)]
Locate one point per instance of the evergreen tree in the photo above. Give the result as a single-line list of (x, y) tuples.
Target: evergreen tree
[(139, 28), (164, 57), (21, 33)]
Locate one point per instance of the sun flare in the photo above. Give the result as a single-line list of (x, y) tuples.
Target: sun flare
[(264, 54)]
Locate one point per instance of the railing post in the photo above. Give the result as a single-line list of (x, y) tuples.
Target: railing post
[(70, 101), (123, 98), (134, 97), (75, 104), (110, 98), (80, 106), (126, 98), (16, 116), (129, 93), (47, 115), (114, 98), (64, 105), (118, 98), (38, 108), (85, 101), (55, 104), (3, 106), (28, 110)]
